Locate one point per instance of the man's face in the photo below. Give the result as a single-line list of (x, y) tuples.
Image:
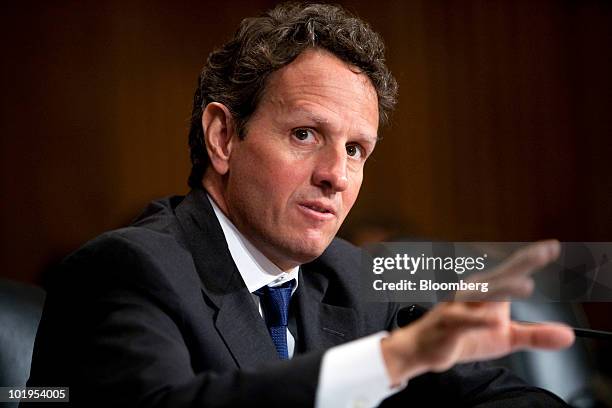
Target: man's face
[(297, 173)]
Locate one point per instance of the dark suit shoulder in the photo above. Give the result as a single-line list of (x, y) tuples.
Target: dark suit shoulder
[(155, 226), (148, 254)]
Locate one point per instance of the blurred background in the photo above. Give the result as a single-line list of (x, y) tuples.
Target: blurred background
[(502, 132)]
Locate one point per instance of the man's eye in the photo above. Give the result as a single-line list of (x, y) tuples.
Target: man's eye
[(354, 151), (303, 134)]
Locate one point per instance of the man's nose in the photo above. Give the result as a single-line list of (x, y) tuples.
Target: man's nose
[(331, 169)]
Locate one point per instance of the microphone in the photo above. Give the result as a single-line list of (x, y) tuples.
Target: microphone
[(414, 312), (410, 314)]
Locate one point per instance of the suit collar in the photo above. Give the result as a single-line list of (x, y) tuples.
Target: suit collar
[(205, 239), (237, 319)]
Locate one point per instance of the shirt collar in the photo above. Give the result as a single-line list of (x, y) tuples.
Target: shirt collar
[(255, 268)]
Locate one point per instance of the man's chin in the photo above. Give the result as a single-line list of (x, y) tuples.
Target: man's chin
[(309, 251), (291, 252)]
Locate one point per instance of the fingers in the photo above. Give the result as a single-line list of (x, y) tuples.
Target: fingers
[(499, 290), (551, 336), (513, 278), (460, 316), (528, 259), (502, 289)]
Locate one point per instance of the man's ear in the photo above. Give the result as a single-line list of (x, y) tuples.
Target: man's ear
[(219, 135)]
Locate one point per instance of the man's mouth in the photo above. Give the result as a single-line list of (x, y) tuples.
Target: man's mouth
[(318, 209)]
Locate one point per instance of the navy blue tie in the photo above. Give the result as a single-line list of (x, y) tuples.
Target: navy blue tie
[(275, 305)]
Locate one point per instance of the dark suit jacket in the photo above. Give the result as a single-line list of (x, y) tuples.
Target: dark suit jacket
[(157, 315)]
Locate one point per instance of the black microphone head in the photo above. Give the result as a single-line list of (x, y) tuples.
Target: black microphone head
[(409, 314)]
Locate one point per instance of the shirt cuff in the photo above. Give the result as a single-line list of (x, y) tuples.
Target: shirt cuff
[(354, 375)]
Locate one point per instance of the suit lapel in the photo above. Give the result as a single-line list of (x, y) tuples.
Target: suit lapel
[(237, 319), (322, 323), (243, 330)]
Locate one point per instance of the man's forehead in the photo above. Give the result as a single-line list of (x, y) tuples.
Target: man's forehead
[(317, 67), (318, 81)]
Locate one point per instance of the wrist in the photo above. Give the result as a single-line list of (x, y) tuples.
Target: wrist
[(401, 357)]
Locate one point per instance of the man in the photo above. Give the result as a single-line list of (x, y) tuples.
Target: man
[(238, 294)]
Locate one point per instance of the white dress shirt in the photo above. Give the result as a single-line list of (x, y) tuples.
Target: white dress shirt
[(352, 374)]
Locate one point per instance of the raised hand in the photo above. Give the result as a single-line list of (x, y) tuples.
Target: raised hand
[(461, 331)]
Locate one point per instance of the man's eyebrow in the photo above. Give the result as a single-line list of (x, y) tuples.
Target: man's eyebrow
[(306, 114), (369, 138)]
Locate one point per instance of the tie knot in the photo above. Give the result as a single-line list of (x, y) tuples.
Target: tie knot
[(275, 302)]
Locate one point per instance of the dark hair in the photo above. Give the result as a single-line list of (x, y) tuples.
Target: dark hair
[(235, 74)]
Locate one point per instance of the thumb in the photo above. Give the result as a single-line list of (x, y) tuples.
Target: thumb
[(551, 336)]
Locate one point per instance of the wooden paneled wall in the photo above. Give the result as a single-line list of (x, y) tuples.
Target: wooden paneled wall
[(502, 130)]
